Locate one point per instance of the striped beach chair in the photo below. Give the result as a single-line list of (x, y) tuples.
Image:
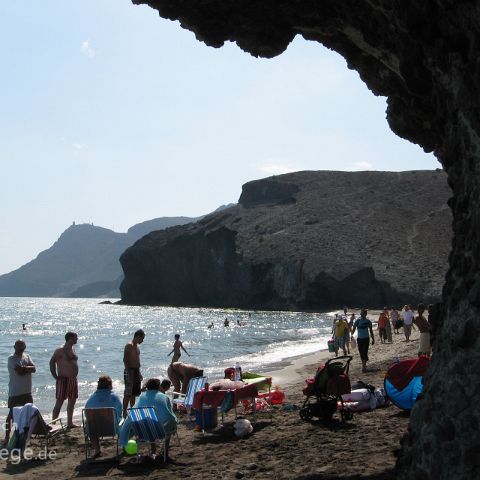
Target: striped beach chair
[(195, 384), (147, 427)]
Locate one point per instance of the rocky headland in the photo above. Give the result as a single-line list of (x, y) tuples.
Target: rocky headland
[(305, 240), (83, 262)]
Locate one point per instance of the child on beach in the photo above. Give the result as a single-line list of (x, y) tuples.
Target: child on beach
[(382, 325), (176, 349)]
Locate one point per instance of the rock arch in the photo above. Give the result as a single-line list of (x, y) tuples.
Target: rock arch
[(423, 56)]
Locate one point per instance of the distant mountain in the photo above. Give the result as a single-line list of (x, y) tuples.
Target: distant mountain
[(83, 262)]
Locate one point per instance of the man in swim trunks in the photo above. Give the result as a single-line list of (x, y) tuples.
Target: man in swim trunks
[(132, 376), (179, 372), (64, 369)]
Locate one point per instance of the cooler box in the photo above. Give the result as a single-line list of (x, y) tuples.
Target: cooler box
[(209, 417)]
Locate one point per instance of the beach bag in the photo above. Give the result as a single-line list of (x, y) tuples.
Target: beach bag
[(353, 343), (331, 346)]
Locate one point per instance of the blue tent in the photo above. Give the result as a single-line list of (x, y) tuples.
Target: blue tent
[(404, 381)]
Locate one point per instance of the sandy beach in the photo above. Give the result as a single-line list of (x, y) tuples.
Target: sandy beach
[(285, 447)]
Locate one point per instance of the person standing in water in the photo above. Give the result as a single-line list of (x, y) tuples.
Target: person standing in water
[(64, 369), (176, 349)]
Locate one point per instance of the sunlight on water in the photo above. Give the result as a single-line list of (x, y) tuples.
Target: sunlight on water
[(255, 339)]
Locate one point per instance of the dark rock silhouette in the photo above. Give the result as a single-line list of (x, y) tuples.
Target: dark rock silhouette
[(306, 240), (423, 56)]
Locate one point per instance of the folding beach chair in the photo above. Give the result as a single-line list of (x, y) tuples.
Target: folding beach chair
[(101, 423), (147, 427), (37, 427), (195, 384)]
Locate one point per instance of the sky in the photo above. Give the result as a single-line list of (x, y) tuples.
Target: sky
[(112, 115)]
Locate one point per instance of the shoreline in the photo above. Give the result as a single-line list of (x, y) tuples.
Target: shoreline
[(284, 446)]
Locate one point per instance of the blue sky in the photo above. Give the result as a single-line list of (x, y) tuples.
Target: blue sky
[(112, 115)]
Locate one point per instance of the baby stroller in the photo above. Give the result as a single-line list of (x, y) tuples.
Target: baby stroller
[(330, 383)]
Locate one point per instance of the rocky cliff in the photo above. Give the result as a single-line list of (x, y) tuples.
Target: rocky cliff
[(422, 55), (83, 262), (306, 240)]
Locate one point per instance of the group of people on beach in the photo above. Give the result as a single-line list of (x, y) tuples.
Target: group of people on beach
[(388, 319), (64, 369)]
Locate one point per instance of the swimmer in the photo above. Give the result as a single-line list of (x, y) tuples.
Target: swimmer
[(176, 349), (211, 325), (226, 323), (24, 326)]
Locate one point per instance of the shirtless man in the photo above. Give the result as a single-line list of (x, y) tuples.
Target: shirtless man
[(179, 372), (176, 349), (64, 369), (131, 374)]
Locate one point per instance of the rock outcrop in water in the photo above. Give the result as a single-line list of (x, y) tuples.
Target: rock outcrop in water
[(424, 57), (306, 240)]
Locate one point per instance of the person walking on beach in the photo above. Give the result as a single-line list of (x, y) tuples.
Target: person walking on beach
[(395, 318), (424, 328), (340, 331), (364, 326), (407, 321), (388, 325), (64, 369), (382, 325), (351, 321), (20, 370), (176, 349), (131, 374)]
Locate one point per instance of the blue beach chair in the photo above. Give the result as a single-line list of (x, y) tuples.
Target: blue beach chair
[(195, 384), (147, 427)]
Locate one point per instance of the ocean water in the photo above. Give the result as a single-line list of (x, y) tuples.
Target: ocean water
[(263, 340)]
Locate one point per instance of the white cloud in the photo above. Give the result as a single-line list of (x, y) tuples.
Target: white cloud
[(87, 49), (77, 146), (276, 169), (362, 166)]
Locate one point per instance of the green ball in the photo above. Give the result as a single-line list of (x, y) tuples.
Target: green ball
[(131, 448)]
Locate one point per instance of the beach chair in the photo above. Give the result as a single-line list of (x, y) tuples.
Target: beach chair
[(101, 423), (186, 399), (147, 427), (37, 427)]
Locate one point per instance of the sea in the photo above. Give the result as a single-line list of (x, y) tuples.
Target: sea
[(257, 340)]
